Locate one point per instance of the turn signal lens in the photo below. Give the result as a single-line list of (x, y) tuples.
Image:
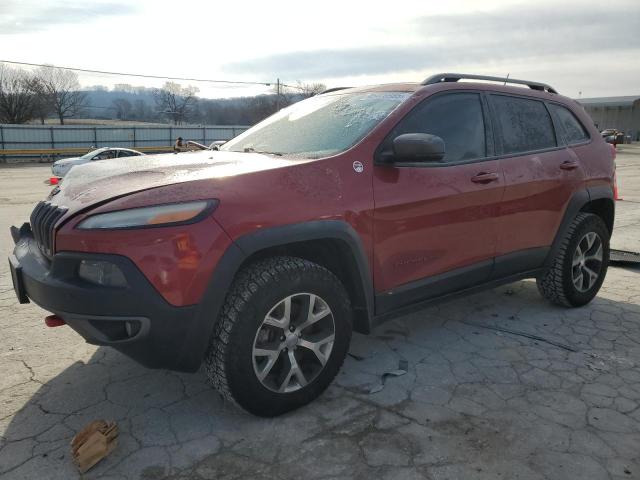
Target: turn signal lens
[(156, 216)]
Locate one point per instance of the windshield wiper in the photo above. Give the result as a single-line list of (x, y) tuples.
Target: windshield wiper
[(253, 150)]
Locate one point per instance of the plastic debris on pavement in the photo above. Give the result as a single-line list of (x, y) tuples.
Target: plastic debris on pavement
[(403, 367)]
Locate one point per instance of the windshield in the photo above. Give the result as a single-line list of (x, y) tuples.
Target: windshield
[(92, 153), (319, 126)]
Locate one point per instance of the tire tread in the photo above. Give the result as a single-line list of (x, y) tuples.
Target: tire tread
[(249, 281), (552, 285)]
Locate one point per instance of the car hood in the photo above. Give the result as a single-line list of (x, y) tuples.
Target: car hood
[(97, 182), (66, 161)]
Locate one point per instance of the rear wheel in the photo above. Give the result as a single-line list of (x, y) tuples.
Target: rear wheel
[(580, 266), (282, 336)]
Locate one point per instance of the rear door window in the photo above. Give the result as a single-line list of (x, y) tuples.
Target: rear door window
[(525, 124), (574, 132), (456, 118)]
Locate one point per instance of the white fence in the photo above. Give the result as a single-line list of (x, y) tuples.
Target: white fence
[(24, 140)]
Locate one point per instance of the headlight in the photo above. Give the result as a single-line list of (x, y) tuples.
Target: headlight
[(156, 216)]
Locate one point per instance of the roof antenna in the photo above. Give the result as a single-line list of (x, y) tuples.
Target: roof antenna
[(507, 78)]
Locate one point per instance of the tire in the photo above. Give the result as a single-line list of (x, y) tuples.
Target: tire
[(252, 322), (572, 285)]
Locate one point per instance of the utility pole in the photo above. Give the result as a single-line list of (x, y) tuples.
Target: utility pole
[(277, 94)]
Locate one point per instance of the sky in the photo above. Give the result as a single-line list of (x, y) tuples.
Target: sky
[(582, 48)]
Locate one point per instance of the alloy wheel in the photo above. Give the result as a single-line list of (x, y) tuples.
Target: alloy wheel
[(293, 342), (587, 262)]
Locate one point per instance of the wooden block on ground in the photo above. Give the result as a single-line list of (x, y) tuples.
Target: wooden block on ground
[(93, 443)]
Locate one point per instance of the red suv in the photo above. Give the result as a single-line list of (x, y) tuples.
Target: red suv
[(331, 215)]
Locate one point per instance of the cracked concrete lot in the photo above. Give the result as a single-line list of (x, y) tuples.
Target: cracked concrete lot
[(476, 403)]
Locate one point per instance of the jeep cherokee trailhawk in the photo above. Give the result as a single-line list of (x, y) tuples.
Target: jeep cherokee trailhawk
[(331, 215)]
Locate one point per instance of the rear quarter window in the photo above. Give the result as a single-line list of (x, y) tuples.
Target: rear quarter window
[(525, 124), (573, 130)]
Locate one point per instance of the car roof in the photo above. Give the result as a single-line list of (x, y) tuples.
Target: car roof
[(104, 149), (420, 89), (385, 87)]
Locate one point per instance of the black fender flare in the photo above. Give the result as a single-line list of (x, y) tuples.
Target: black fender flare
[(578, 201), (600, 192), (244, 247), (604, 192)]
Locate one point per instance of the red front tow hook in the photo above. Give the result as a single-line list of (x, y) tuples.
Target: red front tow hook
[(54, 321)]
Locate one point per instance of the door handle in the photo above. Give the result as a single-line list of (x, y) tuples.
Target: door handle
[(569, 165), (485, 177)]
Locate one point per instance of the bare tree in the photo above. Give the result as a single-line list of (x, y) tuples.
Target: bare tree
[(43, 101), (285, 95), (294, 93), (64, 90), (310, 89), (122, 107), (17, 95), (262, 106), (175, 101), (140, 110), (123, 87)]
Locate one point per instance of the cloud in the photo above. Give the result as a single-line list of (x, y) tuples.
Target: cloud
[(17, 17), (529, 33)]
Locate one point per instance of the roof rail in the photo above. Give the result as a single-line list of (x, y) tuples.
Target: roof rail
[(454, 77)]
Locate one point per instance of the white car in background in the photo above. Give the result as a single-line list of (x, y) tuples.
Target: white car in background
[(62, 167)]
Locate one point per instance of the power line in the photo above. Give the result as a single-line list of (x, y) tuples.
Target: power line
[(291, 86), (86, 70)]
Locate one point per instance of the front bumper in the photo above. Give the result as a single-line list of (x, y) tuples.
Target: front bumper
[(136, 320)]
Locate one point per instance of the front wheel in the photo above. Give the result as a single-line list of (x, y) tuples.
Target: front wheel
[(580, 266), (282, 336)]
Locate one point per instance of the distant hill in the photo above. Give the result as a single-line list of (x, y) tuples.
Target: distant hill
[(137, 104)]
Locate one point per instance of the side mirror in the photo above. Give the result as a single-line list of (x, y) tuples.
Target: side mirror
[(418, 147)]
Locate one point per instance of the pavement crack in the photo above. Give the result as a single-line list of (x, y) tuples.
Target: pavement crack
[(521, 334)]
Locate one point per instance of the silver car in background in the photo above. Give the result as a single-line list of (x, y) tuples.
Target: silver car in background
[(62, 167)]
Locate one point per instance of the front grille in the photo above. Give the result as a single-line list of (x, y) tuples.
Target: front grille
[(43, 220)]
